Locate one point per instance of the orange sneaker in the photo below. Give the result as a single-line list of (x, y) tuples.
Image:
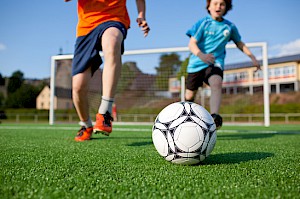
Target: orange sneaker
[(103, 123), (84, 134)]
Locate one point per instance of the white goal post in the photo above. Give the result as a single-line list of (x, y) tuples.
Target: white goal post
[(261, 45)]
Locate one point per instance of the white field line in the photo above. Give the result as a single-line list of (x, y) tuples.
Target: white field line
[(117, 129), (62, 128)]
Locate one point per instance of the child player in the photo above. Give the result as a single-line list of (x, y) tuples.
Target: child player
[(208, 39), (102, 25)]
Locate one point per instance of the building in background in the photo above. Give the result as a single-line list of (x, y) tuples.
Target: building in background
[(62, 99), (284, 76)]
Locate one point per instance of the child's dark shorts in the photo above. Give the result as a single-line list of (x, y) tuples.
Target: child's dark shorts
[(195, 80), (87, 48)]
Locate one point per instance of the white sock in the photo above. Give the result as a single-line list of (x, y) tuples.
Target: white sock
[(106, 105), (86, 124)]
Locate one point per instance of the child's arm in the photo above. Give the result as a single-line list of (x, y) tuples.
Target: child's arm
[(207, 58), (141, 7), (241, 45)]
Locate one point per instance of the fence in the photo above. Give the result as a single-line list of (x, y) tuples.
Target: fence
[(149, 118)]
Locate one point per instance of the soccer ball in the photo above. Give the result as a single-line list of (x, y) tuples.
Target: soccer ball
[(184, 133)]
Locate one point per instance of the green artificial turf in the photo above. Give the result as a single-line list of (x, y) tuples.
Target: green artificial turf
[(46, 162)]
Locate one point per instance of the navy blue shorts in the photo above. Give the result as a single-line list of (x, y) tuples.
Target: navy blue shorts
[(87, 48), (195, 80)]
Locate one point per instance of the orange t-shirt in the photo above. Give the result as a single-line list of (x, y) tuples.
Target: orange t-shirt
[(91, 13)]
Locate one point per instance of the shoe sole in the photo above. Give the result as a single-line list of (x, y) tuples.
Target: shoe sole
[(96, 131), (80, 140)]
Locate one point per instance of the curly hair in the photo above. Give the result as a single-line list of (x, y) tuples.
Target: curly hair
[(228, 5)]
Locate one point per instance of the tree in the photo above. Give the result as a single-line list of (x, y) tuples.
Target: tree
[(2, 98), (15, 82), (24, 97), (168, 66), (183, 69), (2, 80), (129, 72)]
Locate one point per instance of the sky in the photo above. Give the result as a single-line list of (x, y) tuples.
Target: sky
[(33, 31)]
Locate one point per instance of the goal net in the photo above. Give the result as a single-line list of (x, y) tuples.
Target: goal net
[(153, 78)]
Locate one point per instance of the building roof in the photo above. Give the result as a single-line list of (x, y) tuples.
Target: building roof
[(63, 93), (275, 60), (142, 82)]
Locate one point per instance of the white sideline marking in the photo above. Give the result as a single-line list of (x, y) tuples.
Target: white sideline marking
[(63, 128), (248, 131), (126, 129)]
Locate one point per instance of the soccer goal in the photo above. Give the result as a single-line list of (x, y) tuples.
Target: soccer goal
[(153, 78)]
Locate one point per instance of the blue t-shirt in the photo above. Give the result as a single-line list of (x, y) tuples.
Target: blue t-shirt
[(212, 37)]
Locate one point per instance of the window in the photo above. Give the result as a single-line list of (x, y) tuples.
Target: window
[(175, 83), (289, 70), (271, 72), (259, 74), (243, 76), (277, 72), (287, 87)]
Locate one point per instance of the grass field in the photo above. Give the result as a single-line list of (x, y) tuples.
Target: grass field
[(40, 161)]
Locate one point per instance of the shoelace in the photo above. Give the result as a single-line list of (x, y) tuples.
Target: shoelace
[(108, 118), (81, 131)]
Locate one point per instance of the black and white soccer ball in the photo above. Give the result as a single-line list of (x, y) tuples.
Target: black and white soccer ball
[(184, 133)]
